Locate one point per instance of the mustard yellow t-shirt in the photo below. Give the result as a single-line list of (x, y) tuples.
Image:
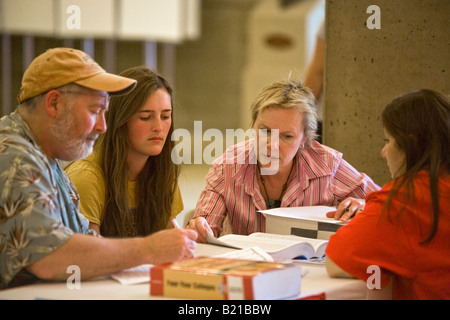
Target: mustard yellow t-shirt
[(88, 178)]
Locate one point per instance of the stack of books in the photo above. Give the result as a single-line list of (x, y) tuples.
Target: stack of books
[(218, 278)]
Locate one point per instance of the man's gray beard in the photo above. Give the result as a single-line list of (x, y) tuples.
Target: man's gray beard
[(75, 147)]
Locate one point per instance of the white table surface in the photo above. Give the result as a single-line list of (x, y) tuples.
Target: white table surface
[(316, 281)]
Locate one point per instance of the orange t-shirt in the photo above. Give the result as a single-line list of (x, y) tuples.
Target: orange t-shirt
[(392, 240)]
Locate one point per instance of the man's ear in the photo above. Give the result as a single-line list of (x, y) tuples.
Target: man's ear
[(52, 102)]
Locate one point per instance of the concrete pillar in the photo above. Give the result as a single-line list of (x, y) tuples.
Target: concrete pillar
[(374, 54)]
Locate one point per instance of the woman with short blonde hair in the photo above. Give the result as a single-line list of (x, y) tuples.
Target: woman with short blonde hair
[(282, 167)]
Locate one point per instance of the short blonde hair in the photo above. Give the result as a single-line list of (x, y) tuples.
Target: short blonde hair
[(289, 94)]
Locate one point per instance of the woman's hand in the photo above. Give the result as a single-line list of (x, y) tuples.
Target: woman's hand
[(202, 227), (347, 209)]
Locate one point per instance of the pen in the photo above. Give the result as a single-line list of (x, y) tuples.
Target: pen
[(175, 223)]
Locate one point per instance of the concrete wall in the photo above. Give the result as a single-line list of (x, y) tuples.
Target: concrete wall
[(367, 68)]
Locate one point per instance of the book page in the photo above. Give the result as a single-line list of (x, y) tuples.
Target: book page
[(280, 247), (268, 244), (213, 240), (252, 253), (313, 213), (316, 243)]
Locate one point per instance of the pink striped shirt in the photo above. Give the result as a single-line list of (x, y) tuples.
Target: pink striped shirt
[(320, 177)]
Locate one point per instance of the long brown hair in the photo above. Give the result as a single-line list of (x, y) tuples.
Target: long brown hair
[(419, 122), (156, 182)]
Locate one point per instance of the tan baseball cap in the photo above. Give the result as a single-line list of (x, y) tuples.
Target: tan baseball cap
[(60, 66)]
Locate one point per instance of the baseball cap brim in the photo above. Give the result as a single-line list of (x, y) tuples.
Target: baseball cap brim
[(111, 83)]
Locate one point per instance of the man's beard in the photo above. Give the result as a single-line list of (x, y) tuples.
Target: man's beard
[(75, 147)]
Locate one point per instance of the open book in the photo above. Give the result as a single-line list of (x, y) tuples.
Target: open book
[(279, 247)]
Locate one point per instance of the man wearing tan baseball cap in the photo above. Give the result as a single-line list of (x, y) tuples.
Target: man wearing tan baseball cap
[(60, 66), (63, 100)]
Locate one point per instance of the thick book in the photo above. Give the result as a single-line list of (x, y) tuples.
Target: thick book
[(308, 221), (279, 247), (216, 278)]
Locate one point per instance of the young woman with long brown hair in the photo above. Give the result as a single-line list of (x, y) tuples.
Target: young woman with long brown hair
[(128, 186)]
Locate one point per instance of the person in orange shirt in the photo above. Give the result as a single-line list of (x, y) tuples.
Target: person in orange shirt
[(404, 229)]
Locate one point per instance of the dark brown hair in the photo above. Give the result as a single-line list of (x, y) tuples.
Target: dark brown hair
[(157, 181), (419, 121)]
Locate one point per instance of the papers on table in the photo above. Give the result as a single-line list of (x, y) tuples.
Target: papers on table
[(140, 274), (312, 213)]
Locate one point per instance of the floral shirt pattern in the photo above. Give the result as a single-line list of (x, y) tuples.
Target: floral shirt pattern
[(38, 203)]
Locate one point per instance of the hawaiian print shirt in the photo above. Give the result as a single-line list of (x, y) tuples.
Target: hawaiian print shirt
[(38, 203)]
